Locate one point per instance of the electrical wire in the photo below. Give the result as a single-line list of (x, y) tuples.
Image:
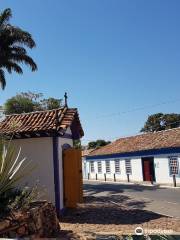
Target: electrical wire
[(138, 109), (137, 133)]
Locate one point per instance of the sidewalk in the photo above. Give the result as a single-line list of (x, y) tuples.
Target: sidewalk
[(156, 185)]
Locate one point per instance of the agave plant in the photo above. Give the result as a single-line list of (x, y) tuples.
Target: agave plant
[(12, 168)]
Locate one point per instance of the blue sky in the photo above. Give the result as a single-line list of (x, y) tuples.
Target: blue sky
[(110, 56)]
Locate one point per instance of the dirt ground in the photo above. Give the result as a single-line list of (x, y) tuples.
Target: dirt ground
[(100, 216)]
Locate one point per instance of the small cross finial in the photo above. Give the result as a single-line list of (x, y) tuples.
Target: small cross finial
[(65, 99)]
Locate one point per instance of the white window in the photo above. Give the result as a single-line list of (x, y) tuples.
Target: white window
[(92, 166), (128, 166), (117, 166), (173, 166), (108, 169), (99, 167)]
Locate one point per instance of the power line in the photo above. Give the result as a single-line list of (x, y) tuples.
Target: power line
[(138, 109), (136, 133), (133, 110)]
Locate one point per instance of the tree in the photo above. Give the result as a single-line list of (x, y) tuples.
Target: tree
[(12, 50), (77, 144), (29, 102), (160, 121), (97, 143), (18, 104), (31, 95), (51, 103)]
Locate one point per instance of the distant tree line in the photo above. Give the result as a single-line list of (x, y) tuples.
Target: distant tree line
[(160, 121), (29, 102), (97, 143)]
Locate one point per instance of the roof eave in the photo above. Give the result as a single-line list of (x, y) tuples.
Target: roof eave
[(140, 153)]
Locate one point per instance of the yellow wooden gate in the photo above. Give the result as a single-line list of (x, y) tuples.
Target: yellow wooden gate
[(72, 176)]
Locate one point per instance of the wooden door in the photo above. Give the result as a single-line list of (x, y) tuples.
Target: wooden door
[(72, 177), (147, 172)]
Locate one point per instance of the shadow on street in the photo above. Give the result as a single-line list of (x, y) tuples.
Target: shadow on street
[(118, 188), (102, 210)]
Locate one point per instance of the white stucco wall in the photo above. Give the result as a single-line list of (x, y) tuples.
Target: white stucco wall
[(84, 168), (161, 167), (136, 170), (162, 170), (137, 173), (40, 152)]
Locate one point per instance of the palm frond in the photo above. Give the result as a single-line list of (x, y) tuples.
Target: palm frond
[(5, 16), (24, 59), (12, 66), (2, 79), (13, 41), (17, 35), (17, 50)]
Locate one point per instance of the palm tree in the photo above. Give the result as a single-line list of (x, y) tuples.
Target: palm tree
[(13, 41)]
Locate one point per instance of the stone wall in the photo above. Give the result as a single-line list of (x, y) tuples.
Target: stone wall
[(39, 221)]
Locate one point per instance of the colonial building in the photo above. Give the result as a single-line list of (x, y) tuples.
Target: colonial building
[(44, 138), (84, 154), (150, 157)]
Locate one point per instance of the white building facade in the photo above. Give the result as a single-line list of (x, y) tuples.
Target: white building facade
[(155, 165), (42, 137), (39, 152)]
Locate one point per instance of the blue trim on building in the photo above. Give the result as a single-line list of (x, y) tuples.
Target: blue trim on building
[(63, 211), (143, 153), (67, 135), (56, 174)]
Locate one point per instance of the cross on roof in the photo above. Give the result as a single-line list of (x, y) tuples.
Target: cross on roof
[(65, 99)]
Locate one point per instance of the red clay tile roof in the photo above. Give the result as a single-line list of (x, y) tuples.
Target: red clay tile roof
[(147, 141), (42, 121), (86, 152)]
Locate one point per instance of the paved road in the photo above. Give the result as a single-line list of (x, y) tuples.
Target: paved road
[(161, 200)]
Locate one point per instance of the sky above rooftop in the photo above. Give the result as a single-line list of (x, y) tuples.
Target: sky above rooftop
[(119, 60)]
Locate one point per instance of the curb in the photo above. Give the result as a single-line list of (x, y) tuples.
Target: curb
[(133, 183)]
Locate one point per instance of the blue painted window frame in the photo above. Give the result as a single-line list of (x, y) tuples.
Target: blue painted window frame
[(92, 162), (169, 158), (128, 160), (115, 161), (99, 166), (108, 161)]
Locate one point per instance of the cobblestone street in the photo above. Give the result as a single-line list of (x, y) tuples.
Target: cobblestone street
[(102, 215)]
